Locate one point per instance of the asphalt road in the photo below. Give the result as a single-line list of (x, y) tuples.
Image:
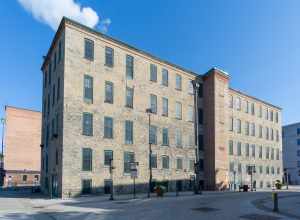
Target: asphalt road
[(212, 206)]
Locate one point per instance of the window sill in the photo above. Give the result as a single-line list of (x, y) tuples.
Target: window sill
[(108, 102), (128, 106), (108, 65)]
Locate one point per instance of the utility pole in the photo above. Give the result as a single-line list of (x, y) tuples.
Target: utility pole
[(196, 166), (149, 111)]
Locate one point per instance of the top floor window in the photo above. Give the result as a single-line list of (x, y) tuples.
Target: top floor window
[(231, 101), (298, 131), (267, 114), (191, 88), (238, 103), (165, 77), (260, 112), (253, 109), (153, 103), (109, 56), (153, 72), (88, 89), (129, 66), (89, 49), (178, 82), (276, 117), (247, 107)]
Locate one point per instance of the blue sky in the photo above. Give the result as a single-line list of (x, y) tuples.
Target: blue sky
[(256, 42)]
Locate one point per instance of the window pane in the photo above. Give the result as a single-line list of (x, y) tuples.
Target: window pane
[(108, 127), (230, 147), (178, 109), (88, 89), (129, 97), (153, 135), (109, 56), (87, 124), (108, 156), (165, 106), (165, 162), (153, 72), (179, 165), (178, 82), (178, 137), (128, 159), (109, 92), (165, 138), (154, 161), (153, 103), (165, 77), (89, 49), (87, 159), (128, 132), (129, 67)]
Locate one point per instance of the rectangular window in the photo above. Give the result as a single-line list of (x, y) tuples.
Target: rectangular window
[(53, 95), (54, 61), (239, 168), (179, 165), (267, 153), (260, 169), (108, 127), (200, 116), (165, 137), (231, 124), (260, 112), (271, 115), (252, 108), (191, 140), (178, 138), (153, 160), (272, 153), (252, 129), (108, 157), (153, 103), (165, 77), (200, 142), (277, 154), (153, 72), (190, 113), (260, 131), (87, 159), (231, 167), (178, 109), (88, 89), (247, 150), (128, 132), (230, 147), (239, 149), (86, 186), (238, 103), (109, 92), (298, 142), (267, 114), (272, 134), (165, 107), (153, 134), (267, 170), (165, 162), (276, 117), (129, 97), (260, 152), (298, 163), (50, 72), (191, 87), (178, 82), (239, 126), (89, 49), (247, 107), (109, 57), (298, 131), (129, 67), (267, 133), (191, 164), (230, 101), (24, 178), (277, 135), (128, 160), (87, 124), (247, 128), (253, 150)]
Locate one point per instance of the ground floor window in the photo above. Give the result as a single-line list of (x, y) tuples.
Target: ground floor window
[(107, 186), (24, 178), (86, 186)]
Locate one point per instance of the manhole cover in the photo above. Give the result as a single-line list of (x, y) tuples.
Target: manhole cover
[(259, 217), (205, 209)]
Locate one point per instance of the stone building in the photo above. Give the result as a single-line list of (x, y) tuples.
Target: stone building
[(22, 147), (291, 152), (96, 93)]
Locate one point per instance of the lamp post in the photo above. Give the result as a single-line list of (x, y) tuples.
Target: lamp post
[(111, 167), (149, 111), (196, 87), (234, 173)]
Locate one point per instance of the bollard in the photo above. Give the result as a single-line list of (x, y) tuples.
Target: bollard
[(275, 201)]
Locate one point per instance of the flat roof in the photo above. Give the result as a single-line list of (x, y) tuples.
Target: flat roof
[(20, 108), (293, 124)]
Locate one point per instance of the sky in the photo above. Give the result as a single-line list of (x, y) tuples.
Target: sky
[(256, 42)]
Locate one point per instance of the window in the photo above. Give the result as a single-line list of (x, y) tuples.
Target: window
[(190, 87), (129, 67), (247, 128), (190, 113), (56, 157), (54, 61), (165, 162), (165, 106), (238, 103), (178, 109), (260, 112), (128, 132), (191, 141), (129, 97), (153, 134), (277, 135), (252, 108), (50, 72), (247, 150), (165, 77), (201, 164), (87, 124), (109, 92), (272, 134), (298, 131), (231, 101), (153, 103), (128, 159), (45, 79), (267, 114), (179, 165), (230, 147), (253, 150), (272, 170), (109, 57), (88, 89), (298, 163), (271, 115), (165, 137), (239, 148), (231, 124), (153, 160), (108, 156), (260, 169), (272, 153), (86, 186), (178, 137), (87, 159), (89, 49), (239, 126), (231, 166), (153, 72), (252, 129), (267, 133), (247, 107), (267, 170), (239, 168), (278, 170), (200, 142), (108, 127), (178, 82), (267, 153), (276, 117), (200, 116), (260, 131), (298, 142), (277, 154), (24, 178), (191, 164), (260, 152)]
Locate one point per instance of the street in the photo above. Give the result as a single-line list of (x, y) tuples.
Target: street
[(209, 205)]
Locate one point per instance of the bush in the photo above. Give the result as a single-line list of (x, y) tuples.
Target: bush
[(278, 184)]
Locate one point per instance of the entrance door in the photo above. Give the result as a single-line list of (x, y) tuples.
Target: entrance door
[(54, 186), (107, 186)]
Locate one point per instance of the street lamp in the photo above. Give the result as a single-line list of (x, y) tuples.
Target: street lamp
[(149, 111), (196, 87)]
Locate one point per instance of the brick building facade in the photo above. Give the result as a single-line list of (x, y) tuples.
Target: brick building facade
[(95, 94)]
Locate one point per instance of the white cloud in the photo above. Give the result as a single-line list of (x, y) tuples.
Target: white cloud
[(52, 11), (104, 24)]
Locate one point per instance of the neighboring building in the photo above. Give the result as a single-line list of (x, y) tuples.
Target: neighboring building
[(22, 151), (291, 152), (95, 94)]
